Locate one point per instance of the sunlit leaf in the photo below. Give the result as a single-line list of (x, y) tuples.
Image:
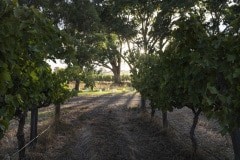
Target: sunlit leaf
[(34, 76)]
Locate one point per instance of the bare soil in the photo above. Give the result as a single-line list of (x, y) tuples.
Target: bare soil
[(111, 127)]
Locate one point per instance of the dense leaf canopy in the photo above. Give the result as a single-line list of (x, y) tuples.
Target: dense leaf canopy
[(27, 39)]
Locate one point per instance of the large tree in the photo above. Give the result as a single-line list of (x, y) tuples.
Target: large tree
[(118, 29), (108, 54), (153, 22)]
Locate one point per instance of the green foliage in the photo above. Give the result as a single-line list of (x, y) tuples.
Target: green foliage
[(199, 68), (27, 38), (109, 78), (60, 91), (73, 73), (114, 18), (145, 80), (76, 12), (88, 77), (152, 78), (125, 78), (101, 77)]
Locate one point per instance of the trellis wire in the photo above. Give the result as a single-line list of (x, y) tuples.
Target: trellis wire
[(30, 142)]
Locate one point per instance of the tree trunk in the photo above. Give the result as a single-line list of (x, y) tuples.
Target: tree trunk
[(192, 130), (116, 74), (33, 129), (165, 119), (57, 112), (153, 110), (20, 135), (116, 69), (143, 104), (235, 135), (77, 85), (117, 77)]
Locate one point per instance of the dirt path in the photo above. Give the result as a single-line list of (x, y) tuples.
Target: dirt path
[(111, 130), (110, 127)]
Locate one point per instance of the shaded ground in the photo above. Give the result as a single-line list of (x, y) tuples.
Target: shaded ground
[(109, 127)]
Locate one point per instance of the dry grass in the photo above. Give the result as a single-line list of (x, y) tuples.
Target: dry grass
[(107, 127)]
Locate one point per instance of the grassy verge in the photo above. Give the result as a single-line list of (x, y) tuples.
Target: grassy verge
[(100, 92)]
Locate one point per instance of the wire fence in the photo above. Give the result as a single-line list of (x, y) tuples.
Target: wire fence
[(7, 157)]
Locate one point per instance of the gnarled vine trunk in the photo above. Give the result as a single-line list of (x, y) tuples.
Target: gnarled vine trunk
[(20, 135), (33, 127), (57, 112), (165, 119), (192, 130), (153, 110), (77, 85), (235, 136), (143, 104)]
